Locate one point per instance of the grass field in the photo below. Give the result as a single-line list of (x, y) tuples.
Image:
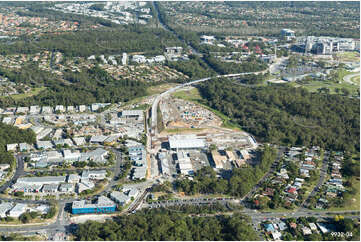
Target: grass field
[(315, 85), (181, 130), (193, 95), (33, 92), (349, 56), (160, 88)]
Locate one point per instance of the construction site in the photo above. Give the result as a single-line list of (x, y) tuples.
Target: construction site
[(194, 137)]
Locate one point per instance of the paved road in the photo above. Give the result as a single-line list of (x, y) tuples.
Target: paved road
[(19, 172), (349, 77), (323, 173)]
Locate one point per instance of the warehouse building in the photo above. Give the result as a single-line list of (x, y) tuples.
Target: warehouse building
[(4, 208), (138, 114), (103, 205), (34, 184), (186, 142), (184, 163), (17, 210), (120, 198)]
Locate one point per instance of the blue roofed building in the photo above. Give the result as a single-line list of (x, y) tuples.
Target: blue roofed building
[(103, 205), (269, 228)]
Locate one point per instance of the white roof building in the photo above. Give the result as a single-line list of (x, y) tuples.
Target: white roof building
[(120, 197), (82, 108), (94, 174), (98, 139), (25, 147), (53, 155), (4, 167), (97, 155), (70, 109), (186, 142), (17, 210), (73, 178), (60, 108), (71, 156), (50, 188), (139, 173), (79, 141), (132, 113), (11, 147), (47, 110), (63, 142), (4, 208), (42, 180), (66, 187), (306, 231), (44, 145), (22, 110), (133, 192), (7, 120), (85, 184), (34, 109)]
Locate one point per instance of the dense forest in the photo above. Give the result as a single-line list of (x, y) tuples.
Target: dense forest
[(162, 224), (115, 40), (286, 115), (239, 183), (9, 135), (194, 68), (89, 86)]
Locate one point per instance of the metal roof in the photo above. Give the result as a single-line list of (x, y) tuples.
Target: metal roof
[(185, 142)]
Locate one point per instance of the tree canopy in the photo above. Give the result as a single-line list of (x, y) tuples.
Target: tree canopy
[(282, 114)]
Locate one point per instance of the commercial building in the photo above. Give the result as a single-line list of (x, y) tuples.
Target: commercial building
[(139, 173), (85, 184), (71, 156), (97, 155), (94, 174), (184, 163), (11, 147), (206, 39), (4, 208), (120, 198), (288, 34), (50, 188), (66, 188), (132, 114), (174, 51), (103, 205), (17, 210), (23, 147), (186, 142), (41, 180), (44, 145), (73, 178), (98, 139), (79, 141), (325, 45), (218, 159)]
